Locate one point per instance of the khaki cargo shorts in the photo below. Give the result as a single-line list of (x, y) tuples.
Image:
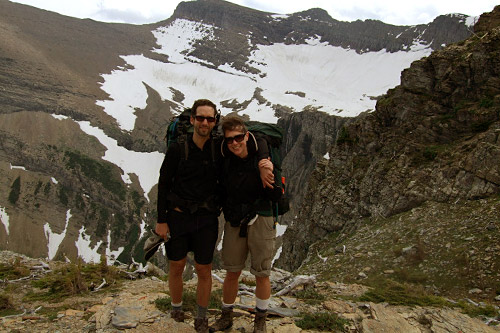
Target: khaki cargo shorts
[(259, 243)]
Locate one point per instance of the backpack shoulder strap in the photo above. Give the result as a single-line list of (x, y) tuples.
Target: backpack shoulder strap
[(183, 141)]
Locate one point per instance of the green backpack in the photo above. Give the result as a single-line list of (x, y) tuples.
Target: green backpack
[(274, 137)]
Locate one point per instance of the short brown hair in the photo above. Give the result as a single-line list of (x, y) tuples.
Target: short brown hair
[(231, 123), (202, 102)]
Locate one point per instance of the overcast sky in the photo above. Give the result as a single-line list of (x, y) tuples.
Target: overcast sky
[(399, 12)]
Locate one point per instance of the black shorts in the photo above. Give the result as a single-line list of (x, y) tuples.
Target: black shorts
[(192, 233)]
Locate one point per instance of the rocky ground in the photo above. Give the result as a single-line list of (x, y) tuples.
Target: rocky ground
[(132, 306)]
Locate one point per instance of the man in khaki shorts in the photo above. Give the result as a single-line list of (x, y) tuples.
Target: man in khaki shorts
[(249, 224)]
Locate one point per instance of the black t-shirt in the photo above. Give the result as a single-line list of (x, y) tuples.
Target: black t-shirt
[(195, 179)]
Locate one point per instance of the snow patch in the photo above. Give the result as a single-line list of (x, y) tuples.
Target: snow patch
[(4, 217), (145, 165), (59, 116), (470, 21), (277, 255), (143, 229), (85, 251), (112, 255), (17, 167), (54, 239)]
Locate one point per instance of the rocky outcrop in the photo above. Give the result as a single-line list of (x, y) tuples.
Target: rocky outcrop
[(435, 137), (307, 137)]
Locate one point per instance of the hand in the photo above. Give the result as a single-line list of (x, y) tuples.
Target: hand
[(266, 173), (163, 230)]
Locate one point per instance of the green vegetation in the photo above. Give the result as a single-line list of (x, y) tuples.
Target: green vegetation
[(38, 187), (310, 296), (322, 321), (15, 191), (475, 311), (189, 301), (132, 237), (344, 136), (99, 171), (6, 306), (138, 202), (481, 126), (430, 153), (63, 195), (14, 271), (72, 280), (46, 189), (486, 102), (396, 293), (118, 226)]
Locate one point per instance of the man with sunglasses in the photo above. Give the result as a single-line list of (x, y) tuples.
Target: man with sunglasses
[(188, 208), (189, 195), (249, 226)]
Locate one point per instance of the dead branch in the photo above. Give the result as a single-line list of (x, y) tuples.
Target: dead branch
[(297, 281)]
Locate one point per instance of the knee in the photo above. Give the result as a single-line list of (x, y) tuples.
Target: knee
[(204, 272), (262, 279), (177, 267), (232, 276)]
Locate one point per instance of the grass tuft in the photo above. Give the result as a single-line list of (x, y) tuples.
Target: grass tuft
[(322, 321)]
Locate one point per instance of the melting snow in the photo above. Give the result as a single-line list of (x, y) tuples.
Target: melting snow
[(112, 255), (53, 239), (85, 251), (145, 165), (17, 167), (4, 217)]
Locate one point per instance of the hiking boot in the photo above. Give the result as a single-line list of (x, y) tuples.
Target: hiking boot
[(224, 322), (177, 315), (259, 324), (201, 325)]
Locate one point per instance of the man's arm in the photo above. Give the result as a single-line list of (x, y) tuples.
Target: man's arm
[(265, 164), (165, 183)]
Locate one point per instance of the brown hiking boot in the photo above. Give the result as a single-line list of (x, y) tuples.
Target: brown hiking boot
[(224, 322), (201, 325), (259, 324), (177, 315)]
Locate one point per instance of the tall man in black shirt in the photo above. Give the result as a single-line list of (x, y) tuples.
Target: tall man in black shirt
[(188, 208)]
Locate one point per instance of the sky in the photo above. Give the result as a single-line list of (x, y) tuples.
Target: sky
[(398, 12)]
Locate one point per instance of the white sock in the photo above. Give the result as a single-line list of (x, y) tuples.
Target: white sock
[(177, 306), (227, 306), (262, 304)]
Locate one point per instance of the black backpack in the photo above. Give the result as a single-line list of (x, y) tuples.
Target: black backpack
[(274, 137)]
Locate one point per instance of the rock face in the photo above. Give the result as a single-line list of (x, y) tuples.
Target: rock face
[(435, 137), (306, 140)]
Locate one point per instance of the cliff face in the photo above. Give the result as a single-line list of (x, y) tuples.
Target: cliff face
[(307, 138), (433, 138)]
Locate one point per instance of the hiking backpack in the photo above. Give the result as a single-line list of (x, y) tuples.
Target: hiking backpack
[(274, 137)]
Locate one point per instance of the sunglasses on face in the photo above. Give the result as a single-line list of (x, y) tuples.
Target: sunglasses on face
[(202, 118), (237, 138)]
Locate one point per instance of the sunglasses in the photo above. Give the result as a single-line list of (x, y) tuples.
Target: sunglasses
[(237, 138), (202, 118)]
